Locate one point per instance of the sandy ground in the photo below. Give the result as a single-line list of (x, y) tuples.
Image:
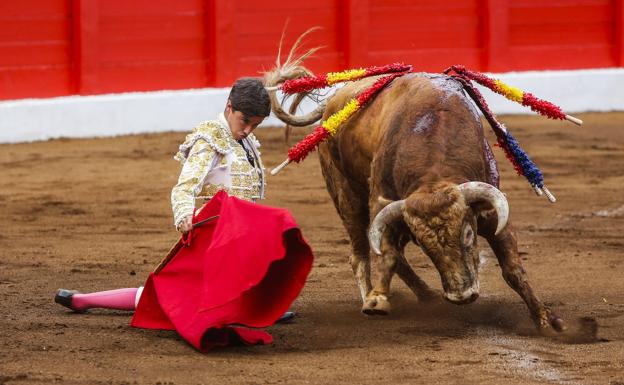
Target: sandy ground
[(94, 214)]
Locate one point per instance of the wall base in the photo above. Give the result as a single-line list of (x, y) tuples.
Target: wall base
[(142, 112)]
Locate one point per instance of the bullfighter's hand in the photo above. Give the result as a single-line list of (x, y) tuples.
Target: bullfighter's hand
[(186, 225)]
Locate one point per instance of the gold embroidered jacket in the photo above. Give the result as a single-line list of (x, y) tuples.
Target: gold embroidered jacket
[(213, 160)]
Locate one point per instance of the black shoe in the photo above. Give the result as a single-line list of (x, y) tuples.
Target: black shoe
[(288, 316), (64, 297)]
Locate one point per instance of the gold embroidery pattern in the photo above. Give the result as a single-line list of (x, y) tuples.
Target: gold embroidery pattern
[(210, 131), (245, 178), (197, 153), (254, 140), (194, 171)]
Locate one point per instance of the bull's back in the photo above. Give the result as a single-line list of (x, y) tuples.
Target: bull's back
[(419, 124), (436, 134)]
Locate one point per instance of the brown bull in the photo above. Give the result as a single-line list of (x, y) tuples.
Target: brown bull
[(414, 165)]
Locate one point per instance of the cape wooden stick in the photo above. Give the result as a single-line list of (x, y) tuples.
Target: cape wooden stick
[(174, 250)]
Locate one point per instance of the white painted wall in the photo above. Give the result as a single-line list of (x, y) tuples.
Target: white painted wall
[(142, 112)]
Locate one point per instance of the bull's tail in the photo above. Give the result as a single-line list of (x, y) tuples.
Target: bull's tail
[(292, 68)]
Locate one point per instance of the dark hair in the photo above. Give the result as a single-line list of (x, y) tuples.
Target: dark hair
[(249, 96)]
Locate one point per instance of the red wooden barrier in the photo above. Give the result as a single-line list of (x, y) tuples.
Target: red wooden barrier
[(35, 49), (555, 35), (149, 45), (618, 49), (356, 16), (495, 35), (63, 47), (85, 30)]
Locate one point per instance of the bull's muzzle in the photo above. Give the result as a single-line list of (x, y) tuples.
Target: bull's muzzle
[(463, 297)]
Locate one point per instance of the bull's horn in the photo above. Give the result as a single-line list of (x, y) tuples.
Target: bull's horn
[(387, 215), (480, 191)]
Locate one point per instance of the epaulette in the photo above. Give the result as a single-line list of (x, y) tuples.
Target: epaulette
[(210, 131)]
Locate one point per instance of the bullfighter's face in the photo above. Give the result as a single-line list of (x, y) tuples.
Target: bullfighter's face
[(445, 228), (240, 124)]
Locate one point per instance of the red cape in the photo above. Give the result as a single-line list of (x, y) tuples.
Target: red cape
[(245, 268)]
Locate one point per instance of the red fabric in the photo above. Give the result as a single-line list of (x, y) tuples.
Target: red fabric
[(241, 270)]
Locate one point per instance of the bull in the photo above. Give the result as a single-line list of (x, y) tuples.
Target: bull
[(414, 165)]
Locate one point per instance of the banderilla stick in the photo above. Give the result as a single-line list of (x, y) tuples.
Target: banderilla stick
[(280, 167), (574, 120)]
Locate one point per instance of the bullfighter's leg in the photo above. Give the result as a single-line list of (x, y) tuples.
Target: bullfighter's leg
[(505, 247), (118, 299), (354, 215)]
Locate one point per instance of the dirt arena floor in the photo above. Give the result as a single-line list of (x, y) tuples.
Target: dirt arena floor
[(94, 214)]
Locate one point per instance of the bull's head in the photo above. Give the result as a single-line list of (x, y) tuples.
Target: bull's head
[(443, 222)]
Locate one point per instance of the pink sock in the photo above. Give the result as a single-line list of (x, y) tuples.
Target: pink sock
[(120, 299)]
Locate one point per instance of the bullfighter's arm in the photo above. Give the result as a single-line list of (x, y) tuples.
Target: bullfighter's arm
[(191, 180)]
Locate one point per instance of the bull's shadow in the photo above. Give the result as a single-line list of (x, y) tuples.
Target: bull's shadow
[(339, 324)]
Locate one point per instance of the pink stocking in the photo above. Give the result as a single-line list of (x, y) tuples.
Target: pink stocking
[(120, 299)]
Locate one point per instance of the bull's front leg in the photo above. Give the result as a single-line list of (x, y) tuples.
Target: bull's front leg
[(376, 302), (413, 281), (360, 263), (352, 207), (505, 247)]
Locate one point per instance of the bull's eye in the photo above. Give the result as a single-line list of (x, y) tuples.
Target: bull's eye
[(467, 236)]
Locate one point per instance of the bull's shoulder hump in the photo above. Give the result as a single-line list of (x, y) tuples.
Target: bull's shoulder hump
[(353, 89)]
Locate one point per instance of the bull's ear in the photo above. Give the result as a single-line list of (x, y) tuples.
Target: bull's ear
[(384, 201)]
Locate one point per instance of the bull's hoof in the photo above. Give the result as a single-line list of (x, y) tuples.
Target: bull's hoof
[(376, 305), (549, 323), (557, 323), (580, 331)]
